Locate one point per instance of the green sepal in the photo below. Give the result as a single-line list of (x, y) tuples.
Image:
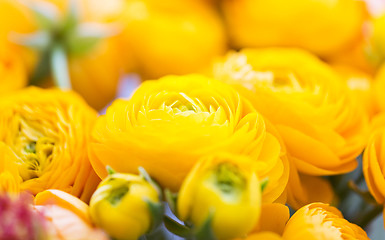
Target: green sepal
[(110, 170), (177, 228), (171, 199), (205, 231), (264, 183), (157, 212), (144, 174), (39, 40), (59, 66), (46, 14)]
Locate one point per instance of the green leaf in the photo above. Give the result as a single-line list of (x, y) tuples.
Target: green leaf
[(71, 20)]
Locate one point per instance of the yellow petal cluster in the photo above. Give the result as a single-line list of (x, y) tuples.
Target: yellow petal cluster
[(318, 221), (225, 188), (320, 122), (373, 165), (48, 130), (170, 123)]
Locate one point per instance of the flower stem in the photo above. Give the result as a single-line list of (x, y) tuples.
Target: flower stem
[(59, 67), (368, 217)]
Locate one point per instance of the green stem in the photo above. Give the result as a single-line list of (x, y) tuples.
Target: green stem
[(364, 220), (59, 67)]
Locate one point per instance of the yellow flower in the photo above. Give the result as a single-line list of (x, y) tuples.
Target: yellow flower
[(9, 175), (274, 217), (377, 39), (378, 86), (296, 23), (318, 119), (360, 83), (48, 130), (173, 36), (120, 205), (225, 188), (318, 221), (373, 168), (263, 236), (169, 124)]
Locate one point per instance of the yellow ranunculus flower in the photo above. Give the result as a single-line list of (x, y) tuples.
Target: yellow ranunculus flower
[(373, 167), (9, 175), (316, 115), (378, 89), (377, 39), (48, 130), (13, 74), (169, 124), (323, 27), (319, 221), (120, 206), (360, 83), (173, 36), (225, 188)]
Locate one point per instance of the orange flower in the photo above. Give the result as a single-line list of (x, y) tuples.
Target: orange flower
[(168, 124), (66, 216), (48, 130), (318, 221), (373, 167), (295, 23), (318, 119), (13, 74), (378, 86)]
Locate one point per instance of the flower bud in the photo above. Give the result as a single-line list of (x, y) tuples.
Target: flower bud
[(121, 206), (224, 188)]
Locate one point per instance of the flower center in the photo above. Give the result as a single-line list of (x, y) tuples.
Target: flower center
[(34, 149), (228, 181)]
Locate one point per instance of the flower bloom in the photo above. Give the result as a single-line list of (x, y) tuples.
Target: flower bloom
[(372, 166), (360, 83), (296, 23), (159, 32), (48, 130), (319, 121), (168, 124), (318, 221), (66, 217), (225, 188), (120, 205)]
